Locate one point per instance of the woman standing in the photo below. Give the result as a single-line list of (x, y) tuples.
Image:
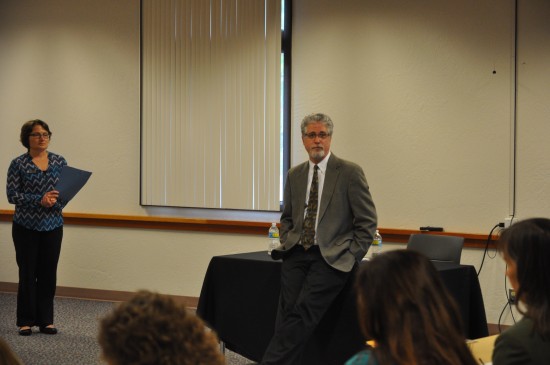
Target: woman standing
[(525, 247), (37, 228)]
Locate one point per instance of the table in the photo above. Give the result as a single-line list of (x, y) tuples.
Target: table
[(482, 348), (239, 300)]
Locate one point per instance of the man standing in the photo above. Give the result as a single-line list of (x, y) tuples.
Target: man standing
[(327, 225)]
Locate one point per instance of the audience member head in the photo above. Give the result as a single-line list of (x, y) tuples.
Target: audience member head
[(7, 356), (405, 308), (525, 247), (152, 329), (317, 118), (27, 128)]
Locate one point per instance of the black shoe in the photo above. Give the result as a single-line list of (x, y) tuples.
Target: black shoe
[(25, 332), (48, 330)]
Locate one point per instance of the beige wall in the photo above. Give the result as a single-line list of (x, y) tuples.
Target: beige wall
[(410, 88)]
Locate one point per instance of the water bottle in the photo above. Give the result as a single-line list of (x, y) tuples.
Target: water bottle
[(273, 238), (376, 246)]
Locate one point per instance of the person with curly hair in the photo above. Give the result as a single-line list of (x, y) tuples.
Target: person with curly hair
[(525, 247), (152, 329), (405, 308)]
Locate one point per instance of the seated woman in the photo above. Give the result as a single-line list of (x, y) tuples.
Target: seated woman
[(525, 247), (405, 308), (152, 329)]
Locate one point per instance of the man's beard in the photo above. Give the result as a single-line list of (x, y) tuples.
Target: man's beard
[(317, 154)]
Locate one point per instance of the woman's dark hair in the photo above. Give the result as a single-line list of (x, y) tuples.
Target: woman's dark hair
[(527, 243), (405, 308), (26, 130)]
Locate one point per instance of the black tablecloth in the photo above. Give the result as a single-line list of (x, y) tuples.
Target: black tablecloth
[(239, 300)]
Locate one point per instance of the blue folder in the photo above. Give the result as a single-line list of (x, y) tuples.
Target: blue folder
[(70, 182)]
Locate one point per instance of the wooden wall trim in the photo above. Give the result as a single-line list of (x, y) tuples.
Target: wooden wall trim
[(161, 223), (496, 329), (226, 226), (470, 240)]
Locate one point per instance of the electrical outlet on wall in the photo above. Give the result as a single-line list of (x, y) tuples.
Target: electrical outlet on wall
[(508, 222)]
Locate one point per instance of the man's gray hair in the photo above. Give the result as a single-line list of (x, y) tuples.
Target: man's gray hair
[(317, 118)]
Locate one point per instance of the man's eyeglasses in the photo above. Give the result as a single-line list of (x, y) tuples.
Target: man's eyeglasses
[(314, 135), (38, 135)]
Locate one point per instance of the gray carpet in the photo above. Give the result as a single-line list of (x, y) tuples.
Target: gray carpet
[(76, 342)]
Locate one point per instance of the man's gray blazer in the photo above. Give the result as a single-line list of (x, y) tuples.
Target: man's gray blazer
[(347, 216)]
